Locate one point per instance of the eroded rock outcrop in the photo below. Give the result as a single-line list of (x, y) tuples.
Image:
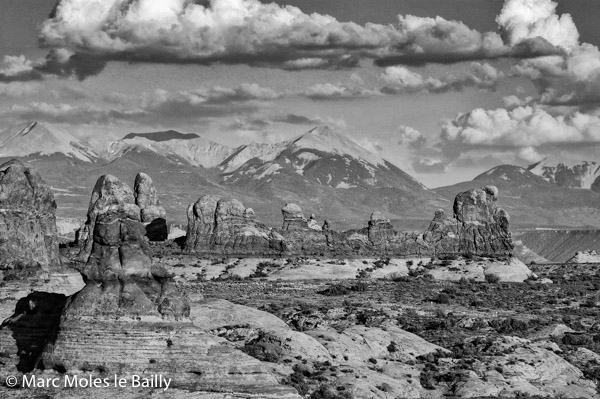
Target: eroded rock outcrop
[(129, 318), (477, 227), (293, 218), (226, 226), (28, 235), (152, 214)]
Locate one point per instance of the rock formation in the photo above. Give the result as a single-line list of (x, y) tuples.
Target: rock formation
[(477, 227), (151, 213), (227, 227), (293, 218), (28, 235), (380, 229), (129, 318)]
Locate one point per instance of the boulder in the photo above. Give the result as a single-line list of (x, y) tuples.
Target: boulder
[(28, 234), (151, 213)]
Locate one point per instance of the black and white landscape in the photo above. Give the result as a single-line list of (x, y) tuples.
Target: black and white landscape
[(298, 199)]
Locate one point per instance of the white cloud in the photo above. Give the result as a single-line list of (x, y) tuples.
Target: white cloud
[(530, 155), (257, 33), (398, 79), (411, 136), (520, 127), (520, 20)]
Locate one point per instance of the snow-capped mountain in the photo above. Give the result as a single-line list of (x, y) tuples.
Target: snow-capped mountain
[(511, 176), (566, 172), (191, 148), (321, 156), (44, 139)]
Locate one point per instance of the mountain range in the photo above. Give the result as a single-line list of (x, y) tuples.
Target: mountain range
[(324, 171)]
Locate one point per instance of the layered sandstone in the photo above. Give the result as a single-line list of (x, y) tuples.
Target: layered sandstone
[(28, 235), (227, 227), (477, 227), (152, 214), (130, 318)]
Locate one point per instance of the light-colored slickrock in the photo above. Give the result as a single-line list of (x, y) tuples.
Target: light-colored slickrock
[(130, 318), (512, 365), (28, 235), (585, 257)]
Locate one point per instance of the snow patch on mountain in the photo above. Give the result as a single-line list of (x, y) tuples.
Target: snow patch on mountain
[(324, 139), (567, 172), (197, 151), (43, 139)]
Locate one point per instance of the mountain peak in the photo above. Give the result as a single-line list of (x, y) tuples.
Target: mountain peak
[(569, 172), (322, 130), (324, 139), (33, 137)]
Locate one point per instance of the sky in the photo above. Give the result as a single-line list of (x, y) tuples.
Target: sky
[(445, 89)]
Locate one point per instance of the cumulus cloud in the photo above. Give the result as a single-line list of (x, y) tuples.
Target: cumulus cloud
[(411, 137), (522, 20), (573, 78), (261, 34), (398, 79), (530, 155), (520, 128), (58, 62)]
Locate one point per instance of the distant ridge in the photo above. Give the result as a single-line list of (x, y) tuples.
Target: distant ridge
[(163, 136)]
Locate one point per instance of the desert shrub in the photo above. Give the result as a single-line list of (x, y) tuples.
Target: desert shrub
[(576, 339), (262, 268), (298, 379), (360, 286), (265, 347), (327, 392), (380, 263), (492, 278), (443, 298), (363, 274), (335, 290)]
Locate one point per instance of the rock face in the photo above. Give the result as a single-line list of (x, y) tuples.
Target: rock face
[(130, 309), (477, 227), (293, 218), (380, 229), (151, 213), (28, 235), (227, 227)]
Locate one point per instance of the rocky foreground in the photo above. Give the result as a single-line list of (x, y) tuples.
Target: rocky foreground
[(119, 308)]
